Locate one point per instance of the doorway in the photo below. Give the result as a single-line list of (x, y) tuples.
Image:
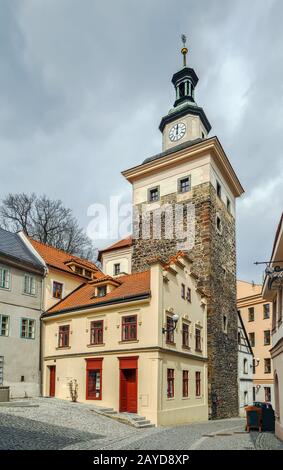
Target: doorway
[(128, 385), (52, 379)]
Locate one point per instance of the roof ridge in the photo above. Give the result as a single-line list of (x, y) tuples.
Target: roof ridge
[(62, 251)]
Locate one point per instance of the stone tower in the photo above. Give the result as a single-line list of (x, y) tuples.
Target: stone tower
[(193, 177)]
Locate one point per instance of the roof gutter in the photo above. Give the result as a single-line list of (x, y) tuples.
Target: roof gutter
[(106, 303)]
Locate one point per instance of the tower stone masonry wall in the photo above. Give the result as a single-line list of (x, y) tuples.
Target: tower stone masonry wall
[(214, 260)]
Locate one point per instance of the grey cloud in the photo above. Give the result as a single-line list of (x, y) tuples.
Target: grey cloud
[(83, 85)]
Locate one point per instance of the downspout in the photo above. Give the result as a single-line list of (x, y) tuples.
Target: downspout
[(42, 299)]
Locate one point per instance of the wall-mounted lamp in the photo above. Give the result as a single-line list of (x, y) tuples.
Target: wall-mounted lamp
[(175, 319), (256, 362)]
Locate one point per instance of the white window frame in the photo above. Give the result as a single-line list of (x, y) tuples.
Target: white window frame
[(31, 284), (4, 269), (29, 320), (8, 325)]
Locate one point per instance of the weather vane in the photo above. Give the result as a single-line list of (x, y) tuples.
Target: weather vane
[(184, 49)]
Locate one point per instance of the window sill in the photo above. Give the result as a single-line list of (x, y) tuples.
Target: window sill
[(187, 348), (185, 398), (169, 343), (127, 341), (95, 345), (59, 348), (29, 295), (198, 351), (170, 399)]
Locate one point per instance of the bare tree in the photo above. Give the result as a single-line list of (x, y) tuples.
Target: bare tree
[(46, 220)]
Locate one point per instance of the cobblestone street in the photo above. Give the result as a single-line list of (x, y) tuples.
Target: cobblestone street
[(56, 424)]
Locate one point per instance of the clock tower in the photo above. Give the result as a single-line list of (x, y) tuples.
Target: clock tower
[(186, 121), (184, 199)]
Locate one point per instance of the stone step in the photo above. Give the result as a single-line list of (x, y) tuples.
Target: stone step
[(143, 421), (144, 426)]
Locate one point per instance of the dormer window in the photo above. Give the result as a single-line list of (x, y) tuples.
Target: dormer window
[(79, 270), (101, 291), (88, 274)]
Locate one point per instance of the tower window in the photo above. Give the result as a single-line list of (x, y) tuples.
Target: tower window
[(182, 90), (218, 224), (184, 184), (218, 189), (225, 324), (228, 204), (153, 194)]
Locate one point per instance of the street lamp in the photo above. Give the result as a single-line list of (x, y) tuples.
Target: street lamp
[(175, 319)]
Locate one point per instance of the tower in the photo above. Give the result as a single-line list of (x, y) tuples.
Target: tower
[(193, 177)]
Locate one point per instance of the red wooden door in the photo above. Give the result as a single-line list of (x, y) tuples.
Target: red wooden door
[(52, 372), (128, 390)]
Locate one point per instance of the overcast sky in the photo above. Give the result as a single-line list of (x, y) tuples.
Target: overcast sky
[(84, 84)]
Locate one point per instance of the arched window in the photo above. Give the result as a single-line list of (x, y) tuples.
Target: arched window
[(245, 366)]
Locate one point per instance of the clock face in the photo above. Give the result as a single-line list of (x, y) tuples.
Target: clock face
[(177, 132)]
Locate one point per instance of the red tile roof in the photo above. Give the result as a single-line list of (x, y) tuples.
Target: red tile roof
[(58, 258), (126, 242), (132, 285)]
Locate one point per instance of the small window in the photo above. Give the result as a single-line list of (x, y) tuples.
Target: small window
[(198, 339), (57, 290), (170, 383), (88, 274), (218, 189), (184, 185), (4, 325), (245, 366), (129, 328), (225, 323), (5, 278), (96, 332), (251, 314), (246, 398), (202, 135), (239, 337), (252, 339), (267, 366), (254, 395), (185, 335), (183, 291), (153, 194), (189, 295), (29, 284), (218, 224), (266, 337), (266, 311), (64, 336), (117, 269), (185, 383), (228, 204), (170, 329), (198, 384), (27, 328), (267, 394), (101, 291)]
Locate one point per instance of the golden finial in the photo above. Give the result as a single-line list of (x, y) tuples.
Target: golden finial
[(184, 49)]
